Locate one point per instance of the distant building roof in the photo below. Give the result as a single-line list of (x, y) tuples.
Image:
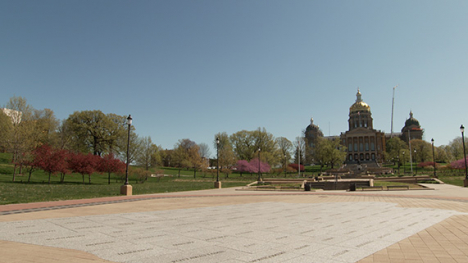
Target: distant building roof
[(13, 114)]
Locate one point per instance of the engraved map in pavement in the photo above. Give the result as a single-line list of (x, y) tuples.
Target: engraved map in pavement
[(257, 232)]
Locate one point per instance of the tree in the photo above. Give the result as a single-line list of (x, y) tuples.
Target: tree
[(455, 149), (146, 157), (243, 166), (285, 148), (21, 139), (422, 150), (243, 144), (394, 146), (109, 164), (269, 149), (6, 127), (50, 160), (204, 150), (96, 132), (46, 126), (257, 167), (329, 152), (299, 150), (227, 158), (186, 155), (83, 164)]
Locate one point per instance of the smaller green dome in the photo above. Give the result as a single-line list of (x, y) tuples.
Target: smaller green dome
[(412, 121)]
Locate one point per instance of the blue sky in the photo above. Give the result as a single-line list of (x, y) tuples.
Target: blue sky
[(191, 69)]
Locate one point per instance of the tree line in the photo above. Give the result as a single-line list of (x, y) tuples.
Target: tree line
[(23, 129)]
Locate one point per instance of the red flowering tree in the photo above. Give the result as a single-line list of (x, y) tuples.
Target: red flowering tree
[(49, 160), (295, 166), (83, 164), (264, 167), (427, 164), (109, 164), (459, 164), (242, 166)]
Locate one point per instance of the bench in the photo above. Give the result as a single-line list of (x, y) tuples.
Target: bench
[(406, 187), (372, 188)]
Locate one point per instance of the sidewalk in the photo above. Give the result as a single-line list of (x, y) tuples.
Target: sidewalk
[(225, 225)]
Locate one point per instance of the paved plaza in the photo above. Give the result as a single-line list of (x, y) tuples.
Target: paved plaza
[(225, 225)]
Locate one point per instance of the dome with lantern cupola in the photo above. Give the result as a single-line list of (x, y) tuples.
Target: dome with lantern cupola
[(359, 105)]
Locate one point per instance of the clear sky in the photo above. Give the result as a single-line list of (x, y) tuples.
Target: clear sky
[(193, 68)]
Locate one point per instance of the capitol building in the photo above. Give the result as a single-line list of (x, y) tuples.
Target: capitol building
[(364, 143)]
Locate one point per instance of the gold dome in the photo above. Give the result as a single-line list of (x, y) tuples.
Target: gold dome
[(359, 105)]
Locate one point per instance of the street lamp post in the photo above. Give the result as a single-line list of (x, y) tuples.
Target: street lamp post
[(462, 129), (415, 161), (285, 166), (126, 189), (433, 158), (259, 176), (217, 184), (404, 163)]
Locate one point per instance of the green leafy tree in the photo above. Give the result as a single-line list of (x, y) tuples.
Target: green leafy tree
[(20, 141), (244, 145), (227, 158), (455, 149), (329, 152), (96, 132), (285, 148), (265, 141), (422, 150), (394, 147), (149, 151)]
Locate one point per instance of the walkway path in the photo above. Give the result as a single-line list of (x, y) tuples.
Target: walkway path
[(225, 225)]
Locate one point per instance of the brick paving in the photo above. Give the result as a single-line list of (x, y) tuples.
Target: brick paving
[(389, 226)]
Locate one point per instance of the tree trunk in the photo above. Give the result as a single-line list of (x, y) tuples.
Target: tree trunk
[(49, 177), (30, 173), (62, 178), (14, 172), (108, 179)]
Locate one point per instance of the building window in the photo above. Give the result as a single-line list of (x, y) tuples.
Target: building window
[(367, 146), (373, 156), (361, 147), (355, 157), (355, 146), (350, 147), (362, 156), (372, 146), (350, 157), (367, 156)]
